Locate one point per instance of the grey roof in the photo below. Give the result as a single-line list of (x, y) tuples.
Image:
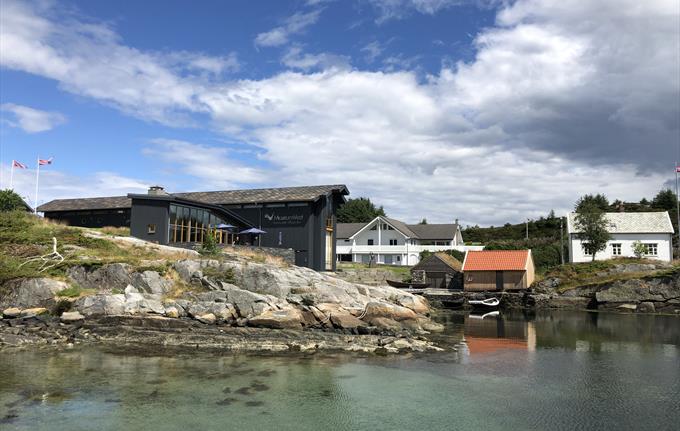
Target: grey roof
[(434, 231), (284, 194), (418, 231), (112, 202), (642, 222), (346, 230)]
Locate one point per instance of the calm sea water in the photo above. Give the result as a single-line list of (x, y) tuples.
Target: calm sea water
[(559, 370)]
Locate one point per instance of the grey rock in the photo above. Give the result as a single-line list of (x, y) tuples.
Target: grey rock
[(248, 304), (151, 282), (188, 270), (71, 316), (646, 307), (215, 296), (107, 277), (346, 321), (100, 304), (287, 318), (30, 293), (208, 319)]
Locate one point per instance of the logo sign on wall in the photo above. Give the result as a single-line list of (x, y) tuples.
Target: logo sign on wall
[(277, 218)]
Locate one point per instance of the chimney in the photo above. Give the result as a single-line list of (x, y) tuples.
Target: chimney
[(157, 191), (456, 221)]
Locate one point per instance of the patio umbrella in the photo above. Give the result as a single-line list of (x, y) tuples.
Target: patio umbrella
[(225, 226), (252, 230)]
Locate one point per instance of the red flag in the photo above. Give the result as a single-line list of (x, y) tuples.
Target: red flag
[(45, 161), (18, 165), (677, 169)]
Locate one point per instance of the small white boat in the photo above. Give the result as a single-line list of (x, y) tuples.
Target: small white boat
[(484, 316), (485, 303)]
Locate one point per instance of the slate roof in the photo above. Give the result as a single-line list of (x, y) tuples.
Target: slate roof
[(112, 202), (283, 194), (346, 230), (496, 260), (418, 231), (446, 258), (434, 231), (642, 222)]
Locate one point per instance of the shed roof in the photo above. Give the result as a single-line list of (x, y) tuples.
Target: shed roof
[(642, 222), (496, 260), (446, 258), (225, 197)]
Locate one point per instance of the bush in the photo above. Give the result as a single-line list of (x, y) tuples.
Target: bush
[(209, 245), (10, 201)]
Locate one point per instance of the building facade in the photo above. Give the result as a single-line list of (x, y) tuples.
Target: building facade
[(298, 218), (388, 241), (498, 270), (652, 229)]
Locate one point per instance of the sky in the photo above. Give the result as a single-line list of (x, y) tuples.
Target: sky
[(486, 111)]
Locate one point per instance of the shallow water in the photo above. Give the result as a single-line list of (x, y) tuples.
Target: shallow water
[(558, 370)]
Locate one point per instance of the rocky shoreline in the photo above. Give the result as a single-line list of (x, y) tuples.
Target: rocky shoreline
[(230, 304)]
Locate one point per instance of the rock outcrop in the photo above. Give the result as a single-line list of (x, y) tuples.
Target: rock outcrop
[(30, 293)]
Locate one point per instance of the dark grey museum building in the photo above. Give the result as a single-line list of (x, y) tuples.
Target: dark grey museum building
[(298, 218)]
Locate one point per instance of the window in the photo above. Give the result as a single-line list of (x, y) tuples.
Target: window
[(393, 242), (585, 252), (652, 249), (346, 240), (375, 227), (398, 258), (370, 242), (616, 249), (151, 229)]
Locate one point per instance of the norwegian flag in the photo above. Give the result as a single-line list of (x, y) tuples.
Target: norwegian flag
[(19, 165), (43, 162), (677, 169)]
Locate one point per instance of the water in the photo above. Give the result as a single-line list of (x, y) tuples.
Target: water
[(559, 370)]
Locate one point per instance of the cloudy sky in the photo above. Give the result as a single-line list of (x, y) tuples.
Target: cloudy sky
[(483, 110)]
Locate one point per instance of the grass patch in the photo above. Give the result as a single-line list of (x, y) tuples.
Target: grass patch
[(115, 231), (224, 275), (75, 291), (573, 275), (24, 235)]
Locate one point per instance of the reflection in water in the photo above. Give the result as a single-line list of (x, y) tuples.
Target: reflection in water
[(559, 370)]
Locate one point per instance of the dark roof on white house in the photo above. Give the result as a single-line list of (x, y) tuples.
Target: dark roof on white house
[(345, 230), (224, 197), (418, 231)]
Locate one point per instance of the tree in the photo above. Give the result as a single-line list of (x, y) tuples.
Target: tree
[(360, 210), (10, 201), (423, 221), (644, 202), (591, 226), (599, 201), (639, 249), (665, 200)]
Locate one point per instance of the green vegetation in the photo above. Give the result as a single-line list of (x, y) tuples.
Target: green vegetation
[(209, 245), (399, 271), (10, 201), (24, 235), (591, 226), (601, 271), (455, 253), (115, 231), (224, 275), (360, 210), (74, 291)]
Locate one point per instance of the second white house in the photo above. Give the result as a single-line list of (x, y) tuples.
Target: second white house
[(652, 229), (392, 242)]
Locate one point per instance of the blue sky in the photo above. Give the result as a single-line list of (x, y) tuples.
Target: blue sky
[(482, 110)]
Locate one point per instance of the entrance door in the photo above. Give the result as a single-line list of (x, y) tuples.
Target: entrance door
[(499, 280), (329, 251)]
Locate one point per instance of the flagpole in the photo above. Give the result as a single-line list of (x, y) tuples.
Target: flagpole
[(11, 176), (37, 178), (677, 206)]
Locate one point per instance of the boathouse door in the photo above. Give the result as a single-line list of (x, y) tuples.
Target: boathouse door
[(499, 280)]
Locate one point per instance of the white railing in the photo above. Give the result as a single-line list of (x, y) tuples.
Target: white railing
[(402, 249)]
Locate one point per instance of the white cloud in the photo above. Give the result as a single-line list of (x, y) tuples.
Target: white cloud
[(214, 166), (295, 58), (56, 184), (31, 120), (398, 9), (294, 24), (373, 50), (561, 98)]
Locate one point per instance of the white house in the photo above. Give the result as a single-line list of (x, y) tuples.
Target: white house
[(653, 229), (392, 242)]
